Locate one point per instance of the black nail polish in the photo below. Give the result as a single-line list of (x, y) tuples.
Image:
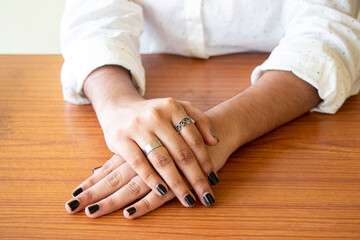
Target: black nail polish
[(94, 169), (161, 189), (77, 191), (131, 210), (73, 204), (213, 134), (189, 200), (93, 208), (213, 178), (209, 200)]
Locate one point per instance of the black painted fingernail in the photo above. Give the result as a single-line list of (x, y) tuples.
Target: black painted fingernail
[(213, 178), (77, 191), (189, 200), (209, 200), (161, 189), (131, 210), (213, 134), (93, 208), (94, 169), (73, 204)]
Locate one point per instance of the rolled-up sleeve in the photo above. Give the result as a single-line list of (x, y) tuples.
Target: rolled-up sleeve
[(97, 33), (322, 47)]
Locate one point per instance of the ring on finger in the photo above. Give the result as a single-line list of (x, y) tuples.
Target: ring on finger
[(151, 146), (183, 122)]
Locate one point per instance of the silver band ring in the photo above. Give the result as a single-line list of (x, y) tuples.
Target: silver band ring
[(183, 122), (151, 146)]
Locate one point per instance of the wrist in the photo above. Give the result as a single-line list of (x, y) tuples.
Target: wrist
[(229, 131), (276, 98), (109, 87)]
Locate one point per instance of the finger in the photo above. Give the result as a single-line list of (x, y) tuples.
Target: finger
[(194, 140), (202, 122), (165, 166), (186, 161), (149, 203), (105, 187), (137, 160), (134, 189), (114, 162)]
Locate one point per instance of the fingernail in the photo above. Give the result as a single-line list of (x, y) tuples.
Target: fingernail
[(93, 208), (213, 134), (131, 210), (73, 204), (94, 169), (161, 189), (77, 191), (213, 178), (189, 200), (209, 200)]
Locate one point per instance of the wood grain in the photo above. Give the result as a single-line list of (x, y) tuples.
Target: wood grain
[(301, 181)]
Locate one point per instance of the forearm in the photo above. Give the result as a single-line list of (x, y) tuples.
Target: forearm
[(275, 99), (109, 86)]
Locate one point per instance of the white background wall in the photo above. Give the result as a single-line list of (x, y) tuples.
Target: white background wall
[(31, 26)]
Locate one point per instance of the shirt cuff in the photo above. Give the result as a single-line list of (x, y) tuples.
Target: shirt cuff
[(315, 63), (90, 55)]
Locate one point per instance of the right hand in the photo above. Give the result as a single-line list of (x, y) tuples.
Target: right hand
[(130, 123), (116, 185), (130, 127)]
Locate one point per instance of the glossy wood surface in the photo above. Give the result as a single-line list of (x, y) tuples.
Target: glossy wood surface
[(301, 181)]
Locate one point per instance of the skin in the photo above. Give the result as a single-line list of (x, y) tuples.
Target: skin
[(130, 122), (275, 99)]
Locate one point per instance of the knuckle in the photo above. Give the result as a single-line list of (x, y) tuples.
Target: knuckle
[(89, 196), (114, 179), (146, 204), (137, 162), (112, 136), (160, 159), (185, 156), (148, 177), (134, 122), (171, 103), (154, 114), (196, 140), (90, 182), (133, 187), (107, 168), (177, 184), (198, 181), (111, 202), (207, 164)]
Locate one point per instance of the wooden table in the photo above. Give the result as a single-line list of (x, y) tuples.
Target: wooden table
[(301, 181)]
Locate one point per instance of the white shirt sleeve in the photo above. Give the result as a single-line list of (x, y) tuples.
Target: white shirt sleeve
[(322, 47), (95, 33)]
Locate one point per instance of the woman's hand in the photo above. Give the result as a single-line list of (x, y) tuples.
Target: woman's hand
[(116, 185), (131, 125), (275, 99)]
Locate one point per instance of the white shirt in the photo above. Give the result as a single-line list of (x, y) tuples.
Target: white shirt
[(318, 40)]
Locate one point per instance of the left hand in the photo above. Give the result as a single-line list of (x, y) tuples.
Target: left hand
[(116, 185)]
